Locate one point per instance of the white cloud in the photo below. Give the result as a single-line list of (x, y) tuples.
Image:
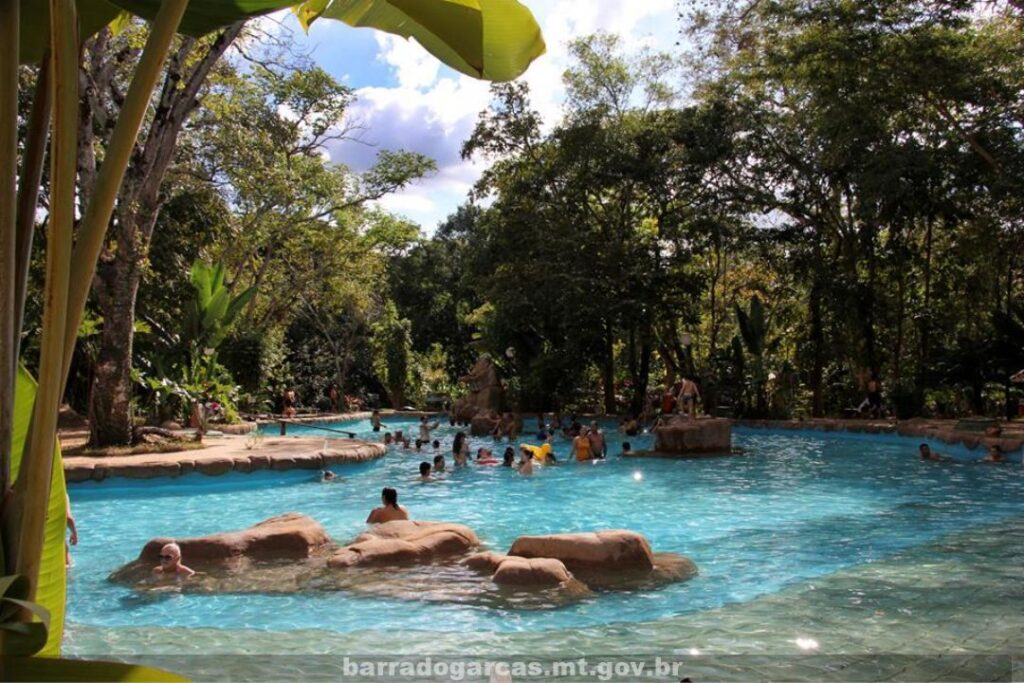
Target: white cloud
[(433, 111), (414, 67)]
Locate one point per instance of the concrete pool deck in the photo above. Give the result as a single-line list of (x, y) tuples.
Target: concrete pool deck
[(1010, 439), (223, 454)]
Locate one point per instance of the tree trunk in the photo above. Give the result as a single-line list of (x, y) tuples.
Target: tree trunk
[(139, 203), (817, 351), (608, 370)]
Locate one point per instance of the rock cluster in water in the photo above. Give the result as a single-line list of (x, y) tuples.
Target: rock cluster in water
[(431, 561)]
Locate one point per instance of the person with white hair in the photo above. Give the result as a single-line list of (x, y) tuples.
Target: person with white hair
[(170, 562)]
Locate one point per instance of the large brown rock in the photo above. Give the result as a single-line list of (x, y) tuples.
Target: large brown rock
[(615, 550), (683, 436), (288, 536), (406, 542)]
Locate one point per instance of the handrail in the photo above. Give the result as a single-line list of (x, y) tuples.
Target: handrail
[(285, 422)]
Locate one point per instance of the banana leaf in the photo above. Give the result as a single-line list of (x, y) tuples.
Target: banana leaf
[(52, 586), (35, 24), (491, 39), (54, 669)]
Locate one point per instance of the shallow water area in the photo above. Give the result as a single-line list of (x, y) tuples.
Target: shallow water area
[(789, 537)]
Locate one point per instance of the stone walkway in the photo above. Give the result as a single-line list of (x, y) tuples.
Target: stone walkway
[(222, 455)]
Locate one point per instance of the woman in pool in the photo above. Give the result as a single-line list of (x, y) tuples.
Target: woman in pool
[(509, 458), (460, 450), (389, 511), (581, 447), (484, 456)]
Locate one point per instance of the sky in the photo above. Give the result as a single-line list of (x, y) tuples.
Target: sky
[(407, 100)]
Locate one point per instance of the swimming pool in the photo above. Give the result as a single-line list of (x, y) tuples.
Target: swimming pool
[(795, 509)]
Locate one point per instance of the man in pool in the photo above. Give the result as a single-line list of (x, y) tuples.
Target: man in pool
[(995, 454), (598, 445), (927, 454), (439, 464), (390, 510), (627, 449), (426, 428), (388, 439), (375, 420), (525, 466), (424, 471), (170, 562)]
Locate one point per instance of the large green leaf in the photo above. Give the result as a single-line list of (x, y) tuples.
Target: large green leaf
[(35, 24), (491, 39), (53, 669), (52, 585), (206, 16), (19, 638)]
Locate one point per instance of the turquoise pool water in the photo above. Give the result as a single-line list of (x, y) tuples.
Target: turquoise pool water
[(792, 508)]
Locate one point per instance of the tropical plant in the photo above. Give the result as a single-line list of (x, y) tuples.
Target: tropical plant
[(214, 310), (493, 39)]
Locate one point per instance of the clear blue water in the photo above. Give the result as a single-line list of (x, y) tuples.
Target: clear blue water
[(793, 507)]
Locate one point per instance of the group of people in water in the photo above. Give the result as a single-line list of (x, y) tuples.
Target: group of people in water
[(587, 443), (995, 454)]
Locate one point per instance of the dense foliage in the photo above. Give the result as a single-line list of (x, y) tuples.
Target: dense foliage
[(805, 196)]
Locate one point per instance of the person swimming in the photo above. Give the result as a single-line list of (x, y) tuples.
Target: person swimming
[(460, 450), (170, 562), (995, 454), (598, 446), (627, 448), (424, 471), (927, 453), (439, 463), (326, 475), (426, 428), (525, 466), (581, 447), (437, 445), (390, 510), (509, 459), (388, 439), (375, 420)]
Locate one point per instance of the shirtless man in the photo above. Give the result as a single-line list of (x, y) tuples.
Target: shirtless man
[(597, 443), (389, 511), (506, 427), (525, 466), (689, 394), (426, 428), (170, 562), (927, 453)]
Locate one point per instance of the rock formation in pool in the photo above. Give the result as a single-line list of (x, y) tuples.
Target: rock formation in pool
[(608, 560), (406, 542), (485, 392), (680, 436), (423, 561)]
